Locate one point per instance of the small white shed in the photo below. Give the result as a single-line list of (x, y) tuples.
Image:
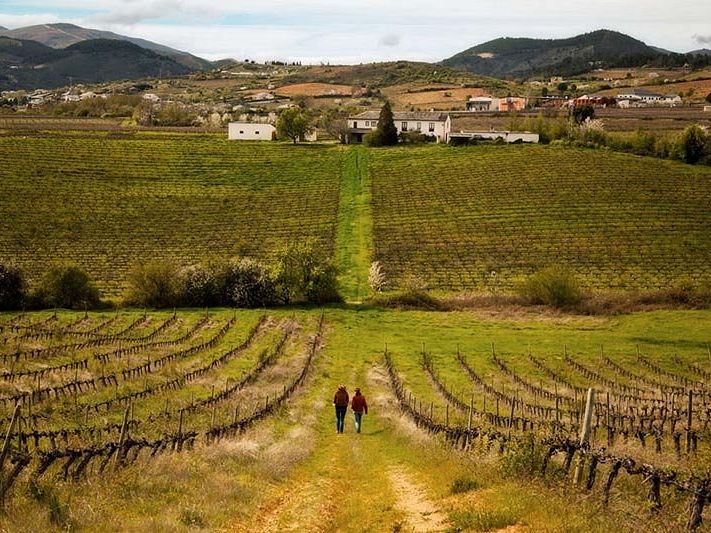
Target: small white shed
[(250, 131)]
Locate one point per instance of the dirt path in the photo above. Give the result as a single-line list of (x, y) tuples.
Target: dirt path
[(421, 513)]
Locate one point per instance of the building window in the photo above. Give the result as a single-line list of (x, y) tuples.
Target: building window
[(256, 133), (374, 123), (367, 124), (241, 132), (419, 126), (355, 124), (432, 126), (404, 126)]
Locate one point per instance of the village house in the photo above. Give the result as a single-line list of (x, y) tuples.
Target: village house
[(251, 131), (489, 103), (644, 97), (707, 108), (431, 123), (594, 100), (509, 137)]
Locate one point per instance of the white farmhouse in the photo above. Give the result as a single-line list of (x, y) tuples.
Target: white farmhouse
[(643, 97), (432, 123), (251, 131)]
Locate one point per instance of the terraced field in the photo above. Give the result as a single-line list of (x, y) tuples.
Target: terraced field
[(480, 218), (107, 202)]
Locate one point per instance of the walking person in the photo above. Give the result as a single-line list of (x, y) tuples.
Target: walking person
[(340, 401), (359, 407)]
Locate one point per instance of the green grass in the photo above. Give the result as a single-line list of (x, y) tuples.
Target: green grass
[(354, 240), (480, 218), (107, 203)]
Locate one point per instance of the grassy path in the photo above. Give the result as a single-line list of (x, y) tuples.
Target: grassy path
[(354, 239)]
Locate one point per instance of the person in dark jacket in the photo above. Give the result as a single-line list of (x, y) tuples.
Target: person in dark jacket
[(359, 407), (340, 401)]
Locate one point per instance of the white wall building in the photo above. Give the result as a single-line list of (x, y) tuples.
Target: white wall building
[(250, 131), (506, 136), (643, 97), (432, 123)]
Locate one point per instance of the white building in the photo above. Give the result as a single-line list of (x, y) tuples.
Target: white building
[(482, 103), (643, 97), (506, 136), (251, 131), (432, 123), (707, 108)]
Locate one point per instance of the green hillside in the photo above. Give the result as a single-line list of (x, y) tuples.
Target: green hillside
[(479, 218), (107, 203)]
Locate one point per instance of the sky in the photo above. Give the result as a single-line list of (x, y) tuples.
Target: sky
[(327, 31)]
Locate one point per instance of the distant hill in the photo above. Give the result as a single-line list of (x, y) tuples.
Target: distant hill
[(62, 35), (701, 52), (29, 64), (521, 57)]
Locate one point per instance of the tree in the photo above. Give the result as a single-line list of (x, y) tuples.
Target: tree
[(153, 284), (581, 113), (303, 272), (68, 287), (293, 124), (693, 145), (12, 287), (334, 122), (386, 130), (708, 98), (562, 87), (544, 91)]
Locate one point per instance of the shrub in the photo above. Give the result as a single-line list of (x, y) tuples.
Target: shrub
[(555, 286), (198, 287), (373, 139), (304, 273), (12, 288), (68, 287), (153, 284), (522, 457), (463, 484), (247, 283), (693, 145)]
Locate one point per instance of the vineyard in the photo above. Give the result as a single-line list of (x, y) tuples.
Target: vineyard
[(649, 433), (85, 395), (90, 401), (479, 219), (107, 202)]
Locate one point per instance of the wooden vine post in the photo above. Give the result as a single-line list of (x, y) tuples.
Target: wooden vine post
[(585, 434), (8, 436), (689, 420)]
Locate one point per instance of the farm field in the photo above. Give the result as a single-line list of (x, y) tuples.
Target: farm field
[(222, 420), (481, 218), (458, 219), (107, 202)]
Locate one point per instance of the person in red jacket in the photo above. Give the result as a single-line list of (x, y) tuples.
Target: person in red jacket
[(340, 401), (359, 407)]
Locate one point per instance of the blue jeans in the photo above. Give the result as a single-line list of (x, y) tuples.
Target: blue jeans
[(340, 417), (358, 417)]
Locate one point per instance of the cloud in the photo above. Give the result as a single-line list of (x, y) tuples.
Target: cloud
[(702, 39), (130, 12), (390, 40), (19, 21)]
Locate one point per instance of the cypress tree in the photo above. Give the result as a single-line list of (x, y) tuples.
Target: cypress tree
[(387, 132)]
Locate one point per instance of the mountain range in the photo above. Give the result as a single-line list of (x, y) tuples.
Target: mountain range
[(523, 57), (53, 55), (29, 64), (63, 35)]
